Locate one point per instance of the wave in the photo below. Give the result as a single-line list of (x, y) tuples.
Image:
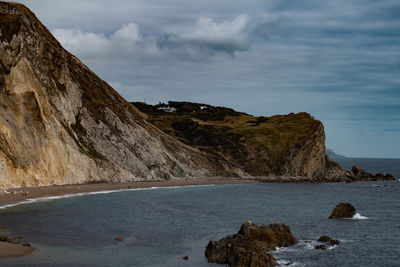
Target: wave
[(50, 198), (358, 216), (288, 263)]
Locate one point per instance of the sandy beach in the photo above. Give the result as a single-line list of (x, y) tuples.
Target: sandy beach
[(8, 250), (24, 193)]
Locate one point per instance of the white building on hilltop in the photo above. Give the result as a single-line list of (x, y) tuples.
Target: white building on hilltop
[(167, 109)]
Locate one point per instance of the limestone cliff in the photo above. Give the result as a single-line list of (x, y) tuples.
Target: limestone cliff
[(60, 123)]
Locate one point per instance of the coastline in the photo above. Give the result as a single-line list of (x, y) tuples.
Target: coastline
[(9, 250), (24, 194)]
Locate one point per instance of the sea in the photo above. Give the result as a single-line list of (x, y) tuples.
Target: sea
[(160, 226)]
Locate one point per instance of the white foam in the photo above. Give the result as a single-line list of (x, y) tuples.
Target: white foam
[(288, 263), (358, 216), (44, 199), (332, 247)]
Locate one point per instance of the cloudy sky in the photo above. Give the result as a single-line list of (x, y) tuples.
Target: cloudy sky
[(336, 59)]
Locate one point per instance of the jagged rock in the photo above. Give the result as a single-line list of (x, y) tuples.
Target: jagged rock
[(343, 210), (248, 247), (26, 244), (327, 239)]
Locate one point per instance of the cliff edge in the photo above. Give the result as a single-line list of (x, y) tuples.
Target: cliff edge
[(61, 124), (281, 145)]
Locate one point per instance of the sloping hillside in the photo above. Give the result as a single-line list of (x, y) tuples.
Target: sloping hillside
[(60, 123), (292, 144)]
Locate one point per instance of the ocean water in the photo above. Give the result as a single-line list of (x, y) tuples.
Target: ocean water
[(161, 226)]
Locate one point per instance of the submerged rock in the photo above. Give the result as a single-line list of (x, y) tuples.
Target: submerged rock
[(250, 245), (328, 240), (322, 246), (343, 210)]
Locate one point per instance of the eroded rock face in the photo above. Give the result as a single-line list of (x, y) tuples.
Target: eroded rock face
[(61, 124), (250, 245), (343, 210)]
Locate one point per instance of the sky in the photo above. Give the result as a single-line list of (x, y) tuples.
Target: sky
[(338, 60)]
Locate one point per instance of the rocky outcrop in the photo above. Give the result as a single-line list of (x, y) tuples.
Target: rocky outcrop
[(359, 174), (343, 210), (282, 145), (250, 245)]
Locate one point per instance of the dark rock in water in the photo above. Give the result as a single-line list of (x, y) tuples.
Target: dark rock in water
[(343, 210), (388, 176), (185, 257), (26, 244), (323, 247), (359, 174), (268, 236), (328, 240), (119, 238), (248, 247)]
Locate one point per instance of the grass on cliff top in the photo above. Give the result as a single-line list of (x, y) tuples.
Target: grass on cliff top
[(275, 134)]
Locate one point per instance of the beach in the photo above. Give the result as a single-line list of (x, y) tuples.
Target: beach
[(22, 194)]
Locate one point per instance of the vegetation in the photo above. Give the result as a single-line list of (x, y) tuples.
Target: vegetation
[(259, 144)]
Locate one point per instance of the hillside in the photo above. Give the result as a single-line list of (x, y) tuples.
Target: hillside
[(291, 145), (61, 124)]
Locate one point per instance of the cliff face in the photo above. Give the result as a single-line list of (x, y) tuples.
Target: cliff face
[(60, 123), (285, 145)]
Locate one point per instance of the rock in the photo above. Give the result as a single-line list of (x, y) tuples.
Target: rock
[(7, 239), (26, 244), (323, 247), (389, 176), (343, 210), (268, 236), (20, 237), (118, 238), (250, 245), (185, 257), (328, 240)]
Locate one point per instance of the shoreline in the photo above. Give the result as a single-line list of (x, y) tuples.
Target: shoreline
[(23, 195), (9, 250)]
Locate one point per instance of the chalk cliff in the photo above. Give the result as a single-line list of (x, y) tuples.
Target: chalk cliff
[(61, 124)]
